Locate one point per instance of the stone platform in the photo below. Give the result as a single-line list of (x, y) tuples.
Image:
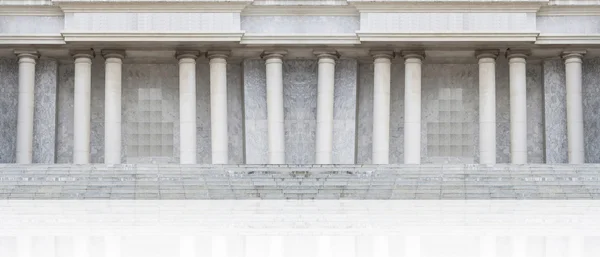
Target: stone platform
[(147, 181)]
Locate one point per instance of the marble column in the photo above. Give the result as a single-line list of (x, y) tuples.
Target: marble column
[(487, 106), (381, 106), (27, 60), (412, 106), (218, 106), (112, 105), (187, 105), (82, 105), (275, 119), (573, 61), (325, 95), (518, 106)]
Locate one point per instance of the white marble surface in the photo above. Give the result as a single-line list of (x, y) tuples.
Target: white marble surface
[(292, 24), (255, 111), (447, 22), (584, 24), (31, 24), (364, 127), (152, 21), (9, 90)]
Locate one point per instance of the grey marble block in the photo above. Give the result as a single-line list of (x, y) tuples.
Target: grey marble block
[(344, 111), (502, 110), (44, 127), (235, 113), (364, 128), (397, 89), (300, 110), (535, 114), (9, 91), (255, 111), (203, 128), (64, 113), (591, 109), (555, 111)]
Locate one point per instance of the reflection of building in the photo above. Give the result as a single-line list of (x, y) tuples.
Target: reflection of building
[(299, 82)]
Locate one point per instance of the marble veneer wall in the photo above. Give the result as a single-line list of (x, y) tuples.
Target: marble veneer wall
[(300, 110), (44, 128), (450, 129), (556, 115), (150, 107)]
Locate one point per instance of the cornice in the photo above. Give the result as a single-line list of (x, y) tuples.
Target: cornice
[(300, 39), (152, 6), (38, 39), (448, 37), (562, 39), (562, 10), (448, 6), (152, 36), (312, 10), (30, 10)]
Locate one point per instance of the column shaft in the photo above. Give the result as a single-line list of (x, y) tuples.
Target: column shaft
[(187, 106), (381, 106), (112, 106), (487, 106), (275, 117), (325, 96), (573, 62), (412, 107), (25, 110), (518, 108), (82, 105), (218, 107)]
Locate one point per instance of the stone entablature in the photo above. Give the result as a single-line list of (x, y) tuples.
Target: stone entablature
[(347, 22)]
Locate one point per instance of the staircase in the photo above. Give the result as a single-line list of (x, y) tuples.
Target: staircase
[(147, 181)]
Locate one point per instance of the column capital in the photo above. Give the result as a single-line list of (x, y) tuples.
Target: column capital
[(27, 53), (413, 54), (113, 53), (487, 53), (83, 54), (517, 53), (389, 54), (218, 54), (326, 53), (268, 54), (181, 54), (568, 54)]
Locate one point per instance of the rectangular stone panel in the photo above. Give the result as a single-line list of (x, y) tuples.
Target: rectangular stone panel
[(555, 111), (44, 123), (9, 91)]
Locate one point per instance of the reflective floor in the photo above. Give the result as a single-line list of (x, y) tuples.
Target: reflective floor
[(431, 228)]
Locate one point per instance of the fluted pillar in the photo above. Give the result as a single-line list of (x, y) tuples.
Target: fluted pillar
[(218, 106), (25, 110), (82, 105), (381, 106), (518, 106), (573, 61), (275, 119), (187, 106), (325, 96), (487, 106), (412, 106), (112, 105)]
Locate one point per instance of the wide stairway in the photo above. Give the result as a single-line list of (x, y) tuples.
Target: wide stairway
[(148, 181)]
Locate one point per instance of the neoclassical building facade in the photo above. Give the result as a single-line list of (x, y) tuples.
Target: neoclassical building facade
[(299, 81)]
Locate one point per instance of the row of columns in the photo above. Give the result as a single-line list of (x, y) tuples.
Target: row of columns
[(274, 84), (487, 106)]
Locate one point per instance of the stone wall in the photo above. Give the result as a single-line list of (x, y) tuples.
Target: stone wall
[(150, 113)]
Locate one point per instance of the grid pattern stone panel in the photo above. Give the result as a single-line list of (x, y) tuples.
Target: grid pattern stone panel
[(451, 136)]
